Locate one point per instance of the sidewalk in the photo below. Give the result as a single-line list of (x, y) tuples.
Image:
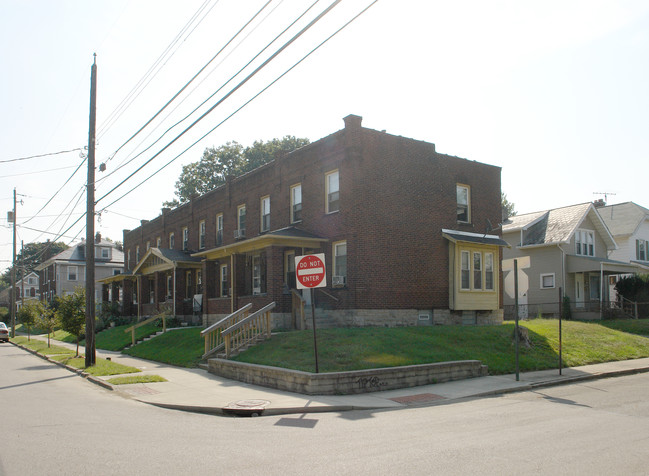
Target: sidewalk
[(199, 391)]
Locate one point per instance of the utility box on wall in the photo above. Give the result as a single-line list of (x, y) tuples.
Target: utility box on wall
[(424, 318)]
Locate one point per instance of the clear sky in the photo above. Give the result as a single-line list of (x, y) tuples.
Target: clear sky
[(554, 92)]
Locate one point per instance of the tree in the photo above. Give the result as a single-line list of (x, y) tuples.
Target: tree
[(34, 254), (71, 313), (507, 206), (47, 320), (232, 158), (28, 314)]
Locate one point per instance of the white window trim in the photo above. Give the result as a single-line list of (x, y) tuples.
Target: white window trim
[(185, 238), (544, 275), (76, 273), (224, 272), (470, 252), (327, 175), (293, 202), (202, 235), (584, 233), (468, 201), (219, 227), (172, 240), (334, 248), (263, 200), (239, 208)]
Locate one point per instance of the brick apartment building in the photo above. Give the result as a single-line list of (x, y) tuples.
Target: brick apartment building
[(404, 231)]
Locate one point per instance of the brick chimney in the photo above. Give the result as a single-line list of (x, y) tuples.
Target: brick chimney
[(98, 238)]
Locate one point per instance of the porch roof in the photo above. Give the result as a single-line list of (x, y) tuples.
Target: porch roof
[(164, 259), (117, 278), (584, 264), (464, 236), (290, 236)]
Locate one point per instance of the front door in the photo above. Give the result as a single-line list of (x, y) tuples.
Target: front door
[(579, 289)]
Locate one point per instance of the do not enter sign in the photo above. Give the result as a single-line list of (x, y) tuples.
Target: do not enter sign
[(310, 271)]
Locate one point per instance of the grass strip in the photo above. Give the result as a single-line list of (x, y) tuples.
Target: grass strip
[(136, 379), (181, 347), (101, 368), (41, 347)]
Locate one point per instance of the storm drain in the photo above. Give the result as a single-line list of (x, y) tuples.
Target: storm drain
[(418, 399), (246, 407)]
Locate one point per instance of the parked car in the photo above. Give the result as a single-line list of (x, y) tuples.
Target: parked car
[(4, 332)]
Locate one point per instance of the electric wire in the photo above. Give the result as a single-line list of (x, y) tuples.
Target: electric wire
[(40, 155), (232, 91), (123, 164), (180, 91), (149, 75), (245, 104)]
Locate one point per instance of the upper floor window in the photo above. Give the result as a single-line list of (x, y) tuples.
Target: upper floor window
[(137, 254), (148, 244), (72, 273), (158, 242), (105, 253), (585, 243), (219, 229), (340, 264), (296, 203), (172, 240), (332, 191), (241, 220), (642, 250), (185, 239), (265, 214), (201, 235), (463, 204), (128, 259)]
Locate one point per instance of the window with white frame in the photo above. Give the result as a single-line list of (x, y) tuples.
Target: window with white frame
[(72, 273), (296, 203), (477, 270), (340, 263), (172, 240), (463, 203), (241, 220), (199, 282), (219, 229), (489, 271), (332, 191), (201, 235), (128, 259), (642, 250), (105, 253), (265, 214), (585, 243), (137, 254), (158, 242), (170, 287), (547, 281), (148, 244), (224, 280), (185, 239)]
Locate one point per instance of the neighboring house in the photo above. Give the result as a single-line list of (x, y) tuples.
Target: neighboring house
[(565, 248), (403, 229), (27, 289), (629, 225), (63, 273)]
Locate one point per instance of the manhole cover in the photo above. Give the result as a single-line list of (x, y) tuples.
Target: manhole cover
[(417, 399), (246, 407)]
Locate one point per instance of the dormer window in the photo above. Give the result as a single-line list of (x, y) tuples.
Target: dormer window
[(585, 243)]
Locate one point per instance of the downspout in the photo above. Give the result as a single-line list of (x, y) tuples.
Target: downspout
[(601, 289), (563, 273), (174, 289), (231, 283)]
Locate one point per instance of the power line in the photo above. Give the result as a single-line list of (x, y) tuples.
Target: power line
[(232, 91), (215, 92), (245, 104), (37, 172), (38, 156)]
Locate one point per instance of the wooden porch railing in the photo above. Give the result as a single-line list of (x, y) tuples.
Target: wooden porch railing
[(629, 307), (297, 310), (248, 330), (140, 324), (213, 334)]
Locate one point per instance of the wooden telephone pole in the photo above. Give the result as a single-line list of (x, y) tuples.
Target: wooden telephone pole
[(90, 223)]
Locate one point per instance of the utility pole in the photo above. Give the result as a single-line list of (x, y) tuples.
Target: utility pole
[(22, 265), (90, 223), (13, 275)]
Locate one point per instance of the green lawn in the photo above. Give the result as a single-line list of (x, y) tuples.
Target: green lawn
[(181, 347), (114, 338), (361, 348)]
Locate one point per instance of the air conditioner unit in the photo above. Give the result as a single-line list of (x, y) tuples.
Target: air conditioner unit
[(238, 234), (338, 280)]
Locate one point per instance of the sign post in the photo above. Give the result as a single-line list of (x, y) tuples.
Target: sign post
[(310, 272)]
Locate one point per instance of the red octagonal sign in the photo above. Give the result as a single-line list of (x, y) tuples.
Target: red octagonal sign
[(310, 271)]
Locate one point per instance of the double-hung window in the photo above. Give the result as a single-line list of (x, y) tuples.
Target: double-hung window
[(224, 280), (137, 254), (585, 243), (172, 240), (219, 229), (72, 273), (489, 271), (158, 242), (477, 271), (265, 214), (332, 191), (185, 239), (201, 235), (241, 220), (463, 203), (296, 203), (642, 250), (340, 263)]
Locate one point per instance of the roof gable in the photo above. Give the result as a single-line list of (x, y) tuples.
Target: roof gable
[(623, 219)]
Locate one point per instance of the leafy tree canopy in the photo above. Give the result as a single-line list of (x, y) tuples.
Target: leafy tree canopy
[(231, 158), (33, 254), (71, 313), (509, 209)]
